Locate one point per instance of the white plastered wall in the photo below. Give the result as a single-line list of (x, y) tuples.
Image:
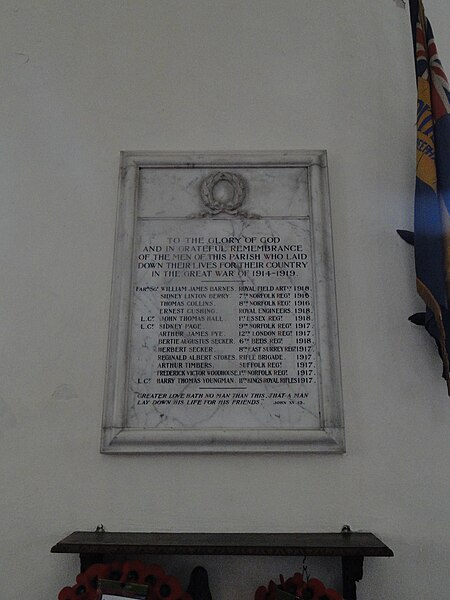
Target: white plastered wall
[(82, 80)]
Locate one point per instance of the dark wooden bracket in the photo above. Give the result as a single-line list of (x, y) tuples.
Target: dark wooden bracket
[(352, 571)]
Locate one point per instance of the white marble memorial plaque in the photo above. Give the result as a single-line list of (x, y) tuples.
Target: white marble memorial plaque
[(223, 329)]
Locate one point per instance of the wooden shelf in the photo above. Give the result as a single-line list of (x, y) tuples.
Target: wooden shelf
[(268, 544), (352, 547)]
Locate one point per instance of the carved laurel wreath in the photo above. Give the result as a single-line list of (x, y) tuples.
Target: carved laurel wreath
[(217, 205)]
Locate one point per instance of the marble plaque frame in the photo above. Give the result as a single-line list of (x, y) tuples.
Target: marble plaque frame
[(117, 437)]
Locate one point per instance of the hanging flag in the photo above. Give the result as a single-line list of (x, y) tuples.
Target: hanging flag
[(432, 197)]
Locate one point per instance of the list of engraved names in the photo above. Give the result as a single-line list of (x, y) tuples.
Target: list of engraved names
[(223, 324)]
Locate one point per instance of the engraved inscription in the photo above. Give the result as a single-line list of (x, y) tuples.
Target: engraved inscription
[(223, 323)]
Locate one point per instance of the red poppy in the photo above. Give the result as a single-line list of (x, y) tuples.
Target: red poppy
[(294, 585), (133, 571), (152, 576), (272, 590), (114, 571), (89, 578), (67, 593), (330, 595), (261, 593), (82, 593), (169, 588), (313, 589)]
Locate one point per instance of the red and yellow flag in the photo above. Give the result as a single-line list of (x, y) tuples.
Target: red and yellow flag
[(432, 196)]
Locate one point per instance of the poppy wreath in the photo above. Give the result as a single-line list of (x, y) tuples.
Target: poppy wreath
[(161, 585), (311, 589)]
